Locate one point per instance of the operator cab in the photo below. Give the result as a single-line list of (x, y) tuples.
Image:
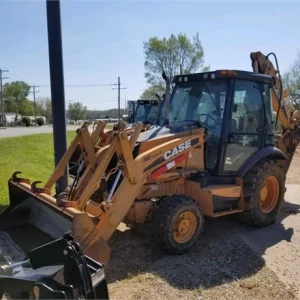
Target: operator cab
[(235, 109), (145, 112)]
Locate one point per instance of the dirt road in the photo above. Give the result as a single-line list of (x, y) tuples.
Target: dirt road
[(229, 261)]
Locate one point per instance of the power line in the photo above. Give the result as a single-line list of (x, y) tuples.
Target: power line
[(34, 91), (13, 74), (82, 85), (1, 95), (74, 85)]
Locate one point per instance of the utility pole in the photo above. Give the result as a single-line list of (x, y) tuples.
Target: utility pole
[(1, 96), (57, 87), (34, 104), (119, 97), (68, 111)]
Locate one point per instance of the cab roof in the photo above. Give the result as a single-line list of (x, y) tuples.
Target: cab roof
[(221, 74), (153, 102)]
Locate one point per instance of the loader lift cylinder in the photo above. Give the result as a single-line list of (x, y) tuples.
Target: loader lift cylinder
[(57, 87)]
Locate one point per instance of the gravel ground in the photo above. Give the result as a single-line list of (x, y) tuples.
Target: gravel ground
[(293, 175), (220, 266)]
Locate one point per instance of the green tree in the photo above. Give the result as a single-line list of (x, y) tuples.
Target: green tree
[(151, 92), (10, 106), (44, 108), (26, 108), (15, 93), (291, 80), (77, 111), (174, 55)]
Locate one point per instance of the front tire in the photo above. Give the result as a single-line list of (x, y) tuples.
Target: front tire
[(264, 189), (178, 222)]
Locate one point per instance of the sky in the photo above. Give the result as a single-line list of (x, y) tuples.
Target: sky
[(103, 39)]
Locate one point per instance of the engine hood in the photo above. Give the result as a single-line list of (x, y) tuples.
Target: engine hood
[(153, 132)]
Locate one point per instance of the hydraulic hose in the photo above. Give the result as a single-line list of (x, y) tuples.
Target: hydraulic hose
[(280, 92)]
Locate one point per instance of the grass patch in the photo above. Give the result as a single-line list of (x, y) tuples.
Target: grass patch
[(33, 155)]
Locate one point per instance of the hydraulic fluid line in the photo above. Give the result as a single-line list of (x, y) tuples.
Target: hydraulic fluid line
[(112, 190), (280, 92)]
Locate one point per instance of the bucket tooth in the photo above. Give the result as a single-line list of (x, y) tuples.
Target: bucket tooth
[(63, 201), (15, 178), (39, 190)]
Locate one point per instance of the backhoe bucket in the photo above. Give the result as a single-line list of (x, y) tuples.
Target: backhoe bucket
[(33, 219)]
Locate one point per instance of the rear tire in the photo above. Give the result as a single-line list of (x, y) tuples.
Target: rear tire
[(264, 189), (177, 222)]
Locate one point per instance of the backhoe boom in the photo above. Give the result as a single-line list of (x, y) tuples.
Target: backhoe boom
[(287, 114)]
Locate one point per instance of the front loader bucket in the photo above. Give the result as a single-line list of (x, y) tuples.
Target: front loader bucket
[(33, 219)]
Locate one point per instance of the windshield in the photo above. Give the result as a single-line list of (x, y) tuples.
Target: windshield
[(198, 102), (146, 113)]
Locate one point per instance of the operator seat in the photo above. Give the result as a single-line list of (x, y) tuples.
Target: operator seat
[(253, 114)]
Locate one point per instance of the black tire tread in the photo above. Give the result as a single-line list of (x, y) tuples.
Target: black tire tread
[(162, 218), (252, 215)]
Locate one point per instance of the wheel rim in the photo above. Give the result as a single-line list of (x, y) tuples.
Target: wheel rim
[(269, 194), (185, 227)]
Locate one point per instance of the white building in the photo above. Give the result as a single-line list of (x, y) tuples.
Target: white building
[(12, 117)]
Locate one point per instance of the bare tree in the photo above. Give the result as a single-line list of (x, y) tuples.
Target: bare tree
[(291, 80)]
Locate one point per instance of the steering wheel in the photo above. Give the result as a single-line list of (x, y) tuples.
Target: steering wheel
[(204, 121)]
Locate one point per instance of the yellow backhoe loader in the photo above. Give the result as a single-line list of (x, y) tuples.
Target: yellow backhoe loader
[(218, 155)]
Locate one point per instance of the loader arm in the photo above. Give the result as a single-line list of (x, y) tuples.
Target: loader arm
[(114, 209)]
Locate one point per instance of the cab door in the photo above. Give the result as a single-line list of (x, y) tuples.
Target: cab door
[(247, 128)]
